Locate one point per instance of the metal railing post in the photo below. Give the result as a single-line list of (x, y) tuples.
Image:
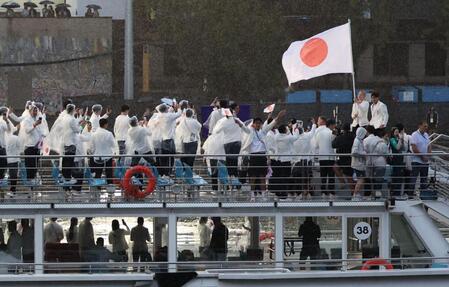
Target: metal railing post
[(279, 239), (39, 243)]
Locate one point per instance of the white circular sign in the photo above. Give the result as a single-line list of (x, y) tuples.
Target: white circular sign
[(362, 231)]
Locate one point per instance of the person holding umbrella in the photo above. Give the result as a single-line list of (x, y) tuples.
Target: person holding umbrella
[(30, 7), (46, 11), (92, 10), (9, 6)]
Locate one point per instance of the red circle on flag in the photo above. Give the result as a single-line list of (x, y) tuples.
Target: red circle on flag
[(314, 52)]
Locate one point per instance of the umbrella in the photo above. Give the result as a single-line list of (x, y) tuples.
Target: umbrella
[(94, 6), (46, 2), (63, 5), (10, 5), (30, 4)]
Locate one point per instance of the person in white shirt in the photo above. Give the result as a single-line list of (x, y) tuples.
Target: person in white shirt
[(103, 147), (13, 150), (360, 110), (167, 126), (420, 145), (70, 131), (302, 167), (82, 144), (31, 136), (379, 113), (281, 178), (118, 241), (322, 143), (376, 149), (5, 129), (204, 234), (217, 114), (213, 154), (231, 127), (138, 142), (254, 144), (54, 140), (121, 127), (96, 116), (189, 132), (53, 232)]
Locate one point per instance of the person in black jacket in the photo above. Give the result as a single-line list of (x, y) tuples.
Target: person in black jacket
[(310, 233), (343, 144), (219, 242)]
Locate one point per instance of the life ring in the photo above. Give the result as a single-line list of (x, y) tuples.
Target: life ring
[(376, 262), (132, 190)]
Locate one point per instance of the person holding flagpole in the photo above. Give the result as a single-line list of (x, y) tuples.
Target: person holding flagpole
[(360, 110)]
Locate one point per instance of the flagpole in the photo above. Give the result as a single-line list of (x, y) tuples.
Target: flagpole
[(352, 60)]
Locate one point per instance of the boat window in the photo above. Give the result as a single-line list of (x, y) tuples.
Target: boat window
[(309, 238), (363, 240), (203, 238), (104, 239), (16, 244), (404, 240)]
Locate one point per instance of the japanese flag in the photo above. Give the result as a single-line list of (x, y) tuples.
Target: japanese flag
[(269, 109), (329, 52)]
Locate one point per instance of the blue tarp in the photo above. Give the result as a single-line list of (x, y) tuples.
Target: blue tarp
[(336, 96), (434, 94), (405, 94), (301, 97)]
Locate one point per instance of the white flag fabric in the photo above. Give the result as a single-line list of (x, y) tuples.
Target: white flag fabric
[(269, 109), (329, 52)]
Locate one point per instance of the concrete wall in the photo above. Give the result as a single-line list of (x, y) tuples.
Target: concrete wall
[(46, 59)]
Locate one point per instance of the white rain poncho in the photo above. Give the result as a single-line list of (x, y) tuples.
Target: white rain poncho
[(54, 139)]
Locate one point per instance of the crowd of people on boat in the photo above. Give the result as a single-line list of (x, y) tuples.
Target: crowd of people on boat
[(212, 234), (271, 154)]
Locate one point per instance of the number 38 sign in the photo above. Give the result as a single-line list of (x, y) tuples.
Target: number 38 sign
[(362, 231)]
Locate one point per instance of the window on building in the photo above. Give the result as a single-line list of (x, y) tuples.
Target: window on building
[(391, 60), (435, 59)]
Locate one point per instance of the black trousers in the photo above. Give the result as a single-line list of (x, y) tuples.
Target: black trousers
[(31, 161), (214, 173), (232, 161), (301, 174), (281, 178), (309, 251), (145, 156), (327, 175), (68, 161), (3, 162), (98, 167), (13, 169), (166, 162), (189, 148), (397, 176), (142, 256)]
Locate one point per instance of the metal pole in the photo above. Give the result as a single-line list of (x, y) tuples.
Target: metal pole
[(129, 52), (39, 243), (352, 60), (172, 242), (385, 231), (344, 238), (279, 239)]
